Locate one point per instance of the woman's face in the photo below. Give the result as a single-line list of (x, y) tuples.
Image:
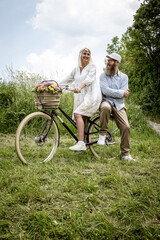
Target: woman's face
[(85, 57)]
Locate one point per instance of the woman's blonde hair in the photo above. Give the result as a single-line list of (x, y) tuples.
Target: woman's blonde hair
[(80, 54)]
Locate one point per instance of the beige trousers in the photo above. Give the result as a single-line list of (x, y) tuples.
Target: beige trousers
[(121, 120)]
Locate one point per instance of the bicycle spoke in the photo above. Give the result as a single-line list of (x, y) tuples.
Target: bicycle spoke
[(31, 145), (111, 147)]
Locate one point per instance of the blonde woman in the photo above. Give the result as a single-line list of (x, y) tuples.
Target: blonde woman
[(87, 94)]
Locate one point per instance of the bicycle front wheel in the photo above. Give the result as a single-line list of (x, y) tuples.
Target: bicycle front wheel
[(112, 143), (37, 138)]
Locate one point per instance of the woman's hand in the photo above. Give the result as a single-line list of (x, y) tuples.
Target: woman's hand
[(77, 90)]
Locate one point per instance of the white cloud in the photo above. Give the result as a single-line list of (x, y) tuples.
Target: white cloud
[(75, 24), (51, 64), (74, 17)]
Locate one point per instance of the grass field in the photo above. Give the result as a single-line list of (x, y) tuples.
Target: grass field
[(77, 196)]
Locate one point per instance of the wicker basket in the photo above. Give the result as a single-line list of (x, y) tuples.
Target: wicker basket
[(47, 100)]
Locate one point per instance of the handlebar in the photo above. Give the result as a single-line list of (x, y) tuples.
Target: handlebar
[(66, 87)]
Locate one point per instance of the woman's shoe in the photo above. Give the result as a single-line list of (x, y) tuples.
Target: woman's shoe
[(79, 146)]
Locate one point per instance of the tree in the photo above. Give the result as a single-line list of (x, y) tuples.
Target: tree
[(144, 48), (140, 47), (115, 46)]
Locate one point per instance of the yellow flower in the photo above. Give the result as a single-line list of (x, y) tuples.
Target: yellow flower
[(38, 89)]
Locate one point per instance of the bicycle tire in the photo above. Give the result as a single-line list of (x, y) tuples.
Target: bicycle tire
[(29, 143), (112, 139)]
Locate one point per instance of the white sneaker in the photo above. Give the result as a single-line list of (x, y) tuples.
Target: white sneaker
[(128, 158), (79, 146), (101, 140)]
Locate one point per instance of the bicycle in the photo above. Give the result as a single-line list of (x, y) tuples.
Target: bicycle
[(38, 136)]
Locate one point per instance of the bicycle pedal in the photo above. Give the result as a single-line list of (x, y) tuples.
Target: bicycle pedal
[(111, 143)]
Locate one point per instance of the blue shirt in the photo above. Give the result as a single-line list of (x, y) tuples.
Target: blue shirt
[(113, 88)]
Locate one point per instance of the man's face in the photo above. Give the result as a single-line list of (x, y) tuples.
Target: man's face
[(110, 62), (110, 67)]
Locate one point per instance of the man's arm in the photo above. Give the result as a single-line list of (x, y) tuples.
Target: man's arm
[(126, 93), (125, 85), (108, 91)]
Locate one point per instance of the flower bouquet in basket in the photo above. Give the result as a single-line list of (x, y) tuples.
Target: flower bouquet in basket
[(47, 95)]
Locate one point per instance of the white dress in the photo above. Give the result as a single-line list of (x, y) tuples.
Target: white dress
[(88, 100)]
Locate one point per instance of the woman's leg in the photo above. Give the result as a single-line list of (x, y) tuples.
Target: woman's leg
[(80, 122)]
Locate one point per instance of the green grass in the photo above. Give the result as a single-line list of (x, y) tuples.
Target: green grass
[(77, 196)]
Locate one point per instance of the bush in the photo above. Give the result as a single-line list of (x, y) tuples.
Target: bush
[(16, 99)]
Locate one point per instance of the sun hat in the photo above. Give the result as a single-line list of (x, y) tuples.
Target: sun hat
[(115, 56)]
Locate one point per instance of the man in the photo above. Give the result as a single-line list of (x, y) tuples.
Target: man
[(114, 87)]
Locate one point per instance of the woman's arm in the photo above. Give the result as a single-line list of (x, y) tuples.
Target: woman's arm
[(69, 78)]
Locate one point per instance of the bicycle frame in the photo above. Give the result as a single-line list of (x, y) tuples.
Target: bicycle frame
[(42, 141), (54, 113), (46, 135), (63, 123)]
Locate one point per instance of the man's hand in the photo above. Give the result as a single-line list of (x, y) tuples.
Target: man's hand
[(126, 93)]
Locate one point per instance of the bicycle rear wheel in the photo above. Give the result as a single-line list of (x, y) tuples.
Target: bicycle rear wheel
[(37, 138), (111, 147)]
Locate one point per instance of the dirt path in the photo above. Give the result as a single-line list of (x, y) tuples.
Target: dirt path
[(155, 126)]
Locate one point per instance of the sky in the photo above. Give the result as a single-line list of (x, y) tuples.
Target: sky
[(45, 36)]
